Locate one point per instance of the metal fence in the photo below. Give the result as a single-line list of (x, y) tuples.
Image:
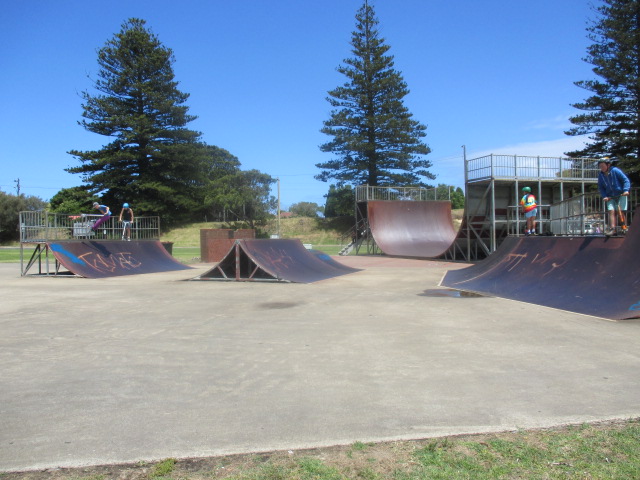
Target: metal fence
[(42, 226), (365, 193), (523, 167), (516, 220), (585, 214)]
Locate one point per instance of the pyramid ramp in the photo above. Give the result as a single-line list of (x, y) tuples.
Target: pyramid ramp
[(281, 260)]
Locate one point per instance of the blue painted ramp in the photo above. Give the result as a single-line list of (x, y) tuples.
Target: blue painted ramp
[(99, 259)]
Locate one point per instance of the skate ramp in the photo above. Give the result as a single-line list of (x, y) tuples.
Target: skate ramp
[(597, 276), (410, 228), (284, 260), (99, 259)]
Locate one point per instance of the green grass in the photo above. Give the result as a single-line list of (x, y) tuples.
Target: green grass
[(606, 451), (316, 231), (187, 254), (12, 255), (162, 469)]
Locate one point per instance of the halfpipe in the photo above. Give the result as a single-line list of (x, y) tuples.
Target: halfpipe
[(411, 229)]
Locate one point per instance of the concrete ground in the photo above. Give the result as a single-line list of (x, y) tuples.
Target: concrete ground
[(147, 367)]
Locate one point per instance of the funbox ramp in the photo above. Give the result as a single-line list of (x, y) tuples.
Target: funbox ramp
[(597, 276), (411, 228), (99, 259), (284, 260)]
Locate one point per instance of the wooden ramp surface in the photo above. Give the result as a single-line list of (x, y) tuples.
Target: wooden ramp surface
[(411, 228), (597, 276), (285, 260), (99, 259)]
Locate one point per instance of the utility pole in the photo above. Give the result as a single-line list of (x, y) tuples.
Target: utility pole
[(17, 182), (278, 206)]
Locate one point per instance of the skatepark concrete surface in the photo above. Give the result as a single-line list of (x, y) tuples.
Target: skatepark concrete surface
[(146, 367)]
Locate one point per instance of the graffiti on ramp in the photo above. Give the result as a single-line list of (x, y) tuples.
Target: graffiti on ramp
[(99, 259), (596, 276)]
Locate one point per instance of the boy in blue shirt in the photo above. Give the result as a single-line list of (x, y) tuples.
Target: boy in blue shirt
[(614, 189)]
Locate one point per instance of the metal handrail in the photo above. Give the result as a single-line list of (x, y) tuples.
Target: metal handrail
[(515, 167), (41, 226), (586, 214)]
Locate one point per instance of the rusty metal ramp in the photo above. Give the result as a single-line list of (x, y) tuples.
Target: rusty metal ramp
[(99, 259), (283, 260), (411, 228), (597, 276)]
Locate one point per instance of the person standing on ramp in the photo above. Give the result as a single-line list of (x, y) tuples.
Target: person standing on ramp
[(126, 217), (614, 188), (530, 209)]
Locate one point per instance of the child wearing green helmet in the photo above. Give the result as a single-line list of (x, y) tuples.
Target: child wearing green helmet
[(530, 209)]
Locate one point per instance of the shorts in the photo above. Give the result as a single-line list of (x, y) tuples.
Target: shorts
[(531, 213), (612, 203)]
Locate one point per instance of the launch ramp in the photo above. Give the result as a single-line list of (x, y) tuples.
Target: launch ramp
[(597, 276), (284, 260), (99, 259)]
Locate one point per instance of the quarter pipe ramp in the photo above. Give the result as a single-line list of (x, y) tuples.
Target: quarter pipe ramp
[(597, 276), (99, 259), (285, 260), (411, 229)]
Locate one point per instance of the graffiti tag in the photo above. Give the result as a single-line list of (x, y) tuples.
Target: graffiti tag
[(111, 262)]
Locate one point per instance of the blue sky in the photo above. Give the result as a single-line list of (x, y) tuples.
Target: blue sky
[(494, 75)]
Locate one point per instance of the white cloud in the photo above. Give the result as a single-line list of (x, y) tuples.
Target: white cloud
[(547, 148), (560, 122)]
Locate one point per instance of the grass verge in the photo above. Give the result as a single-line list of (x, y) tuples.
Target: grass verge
[(11, 254), (607, 450)]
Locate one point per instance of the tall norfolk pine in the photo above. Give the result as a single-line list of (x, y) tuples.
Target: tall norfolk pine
[(612, 113), (153, 160), (375, 139)]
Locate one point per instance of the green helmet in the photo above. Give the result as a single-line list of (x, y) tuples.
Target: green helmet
[(526, 189)]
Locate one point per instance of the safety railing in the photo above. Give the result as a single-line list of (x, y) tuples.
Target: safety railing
[(516, 220), (586, 214), (42, 226), (365, 193), (531, 168)]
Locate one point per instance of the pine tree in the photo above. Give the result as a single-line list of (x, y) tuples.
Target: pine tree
[(375, 138), (612, 113), (153, 162)]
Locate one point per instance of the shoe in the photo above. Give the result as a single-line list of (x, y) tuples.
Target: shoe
[(609, 231)]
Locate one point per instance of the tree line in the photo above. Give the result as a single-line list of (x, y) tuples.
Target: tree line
[(154, 162)]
